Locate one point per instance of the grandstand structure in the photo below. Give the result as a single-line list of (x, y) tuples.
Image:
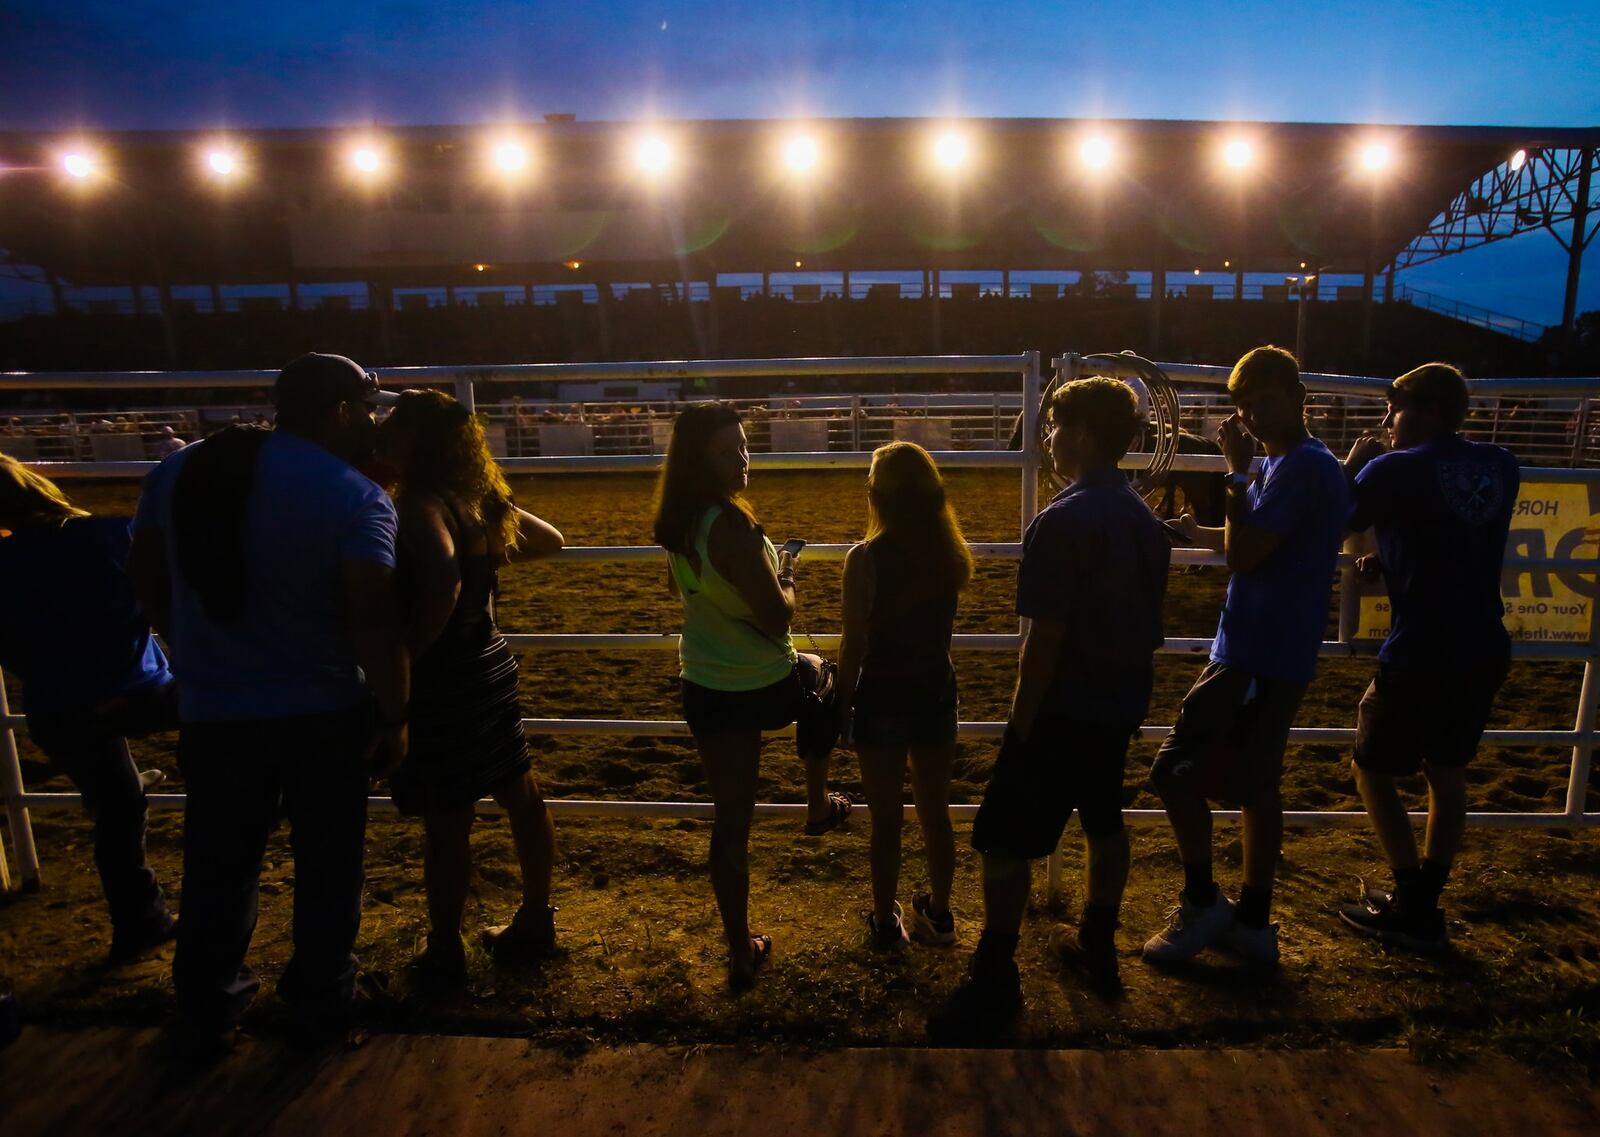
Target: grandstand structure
[(577, 219)]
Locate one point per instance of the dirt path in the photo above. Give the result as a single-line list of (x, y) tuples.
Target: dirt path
[(112, 1081)]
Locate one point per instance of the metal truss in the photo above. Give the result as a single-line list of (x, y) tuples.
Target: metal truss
[(1546, 191)]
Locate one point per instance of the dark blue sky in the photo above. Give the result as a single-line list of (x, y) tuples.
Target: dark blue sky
[(110, 65)]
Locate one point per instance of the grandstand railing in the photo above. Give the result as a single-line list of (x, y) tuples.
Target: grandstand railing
[(466, 381)]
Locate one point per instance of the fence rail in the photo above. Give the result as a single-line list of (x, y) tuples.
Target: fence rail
[(1569, 396)]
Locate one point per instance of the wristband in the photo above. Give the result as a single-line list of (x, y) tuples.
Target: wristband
[(786, 580), (1239, 480)]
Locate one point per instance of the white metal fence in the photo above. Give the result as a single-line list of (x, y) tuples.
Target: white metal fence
[(466, 382)]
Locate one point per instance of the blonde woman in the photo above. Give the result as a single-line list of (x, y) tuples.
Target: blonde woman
[(897, 684)]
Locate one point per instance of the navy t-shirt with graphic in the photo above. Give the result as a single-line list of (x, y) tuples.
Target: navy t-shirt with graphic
[(1442, 512), (1275, 615)]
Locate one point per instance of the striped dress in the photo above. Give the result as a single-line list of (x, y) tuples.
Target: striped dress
[(466, 718)]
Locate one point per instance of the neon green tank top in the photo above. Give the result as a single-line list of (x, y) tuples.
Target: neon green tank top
[(721, 646)]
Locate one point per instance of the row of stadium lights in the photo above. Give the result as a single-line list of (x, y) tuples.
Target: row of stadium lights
[(654, 155)]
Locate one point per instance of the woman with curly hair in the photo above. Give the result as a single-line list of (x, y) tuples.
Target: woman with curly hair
[(897, 685), (458, 524)]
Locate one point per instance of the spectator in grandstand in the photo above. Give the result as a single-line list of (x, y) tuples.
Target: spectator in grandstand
[(91, 674), (169, 443), (1442, 509), (1092, 581), (267, 562), (458, 524), (740, 673), (1281, 537), (897, 684)]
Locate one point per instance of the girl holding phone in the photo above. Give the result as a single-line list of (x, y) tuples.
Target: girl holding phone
[(738, 670), (897, 684)]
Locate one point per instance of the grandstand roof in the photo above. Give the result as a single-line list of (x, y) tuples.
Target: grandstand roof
[(1024, 199)]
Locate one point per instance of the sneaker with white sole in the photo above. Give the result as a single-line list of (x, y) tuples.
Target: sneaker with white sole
[(926, 928), (1254, 945), (1190, 930), (1379, 915)]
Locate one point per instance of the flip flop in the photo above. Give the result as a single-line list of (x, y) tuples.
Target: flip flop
[(839, 808), (760, 953)]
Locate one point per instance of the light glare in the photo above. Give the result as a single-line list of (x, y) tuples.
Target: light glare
[(366, 159), (510, 157), (77, 165), (223, 163), (951, 150), (1096, 153), (800, 153), (1376, 156), (1519, 159), (652, 154), (1238, 153)]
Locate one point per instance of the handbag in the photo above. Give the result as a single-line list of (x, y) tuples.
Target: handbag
[(816, 719)]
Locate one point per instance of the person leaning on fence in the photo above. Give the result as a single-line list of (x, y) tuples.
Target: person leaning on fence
[(897, 684), (92, 674), (1281, 537), (1091, 584), (267, 562), (1441, 507), (739, 672), (458, 524)]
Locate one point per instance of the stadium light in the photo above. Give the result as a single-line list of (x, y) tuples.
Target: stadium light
[(223, 162), (652, 155), (1376, 156), (367, 160), (951, 150), (800, 153), (1518, 160), (509, 156), (1095, 152), (1238, 153), (80, 164)]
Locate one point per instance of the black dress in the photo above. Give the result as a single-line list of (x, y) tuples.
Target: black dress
[(466, 718)]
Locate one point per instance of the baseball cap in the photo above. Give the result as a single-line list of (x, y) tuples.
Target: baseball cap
[(316, 380)]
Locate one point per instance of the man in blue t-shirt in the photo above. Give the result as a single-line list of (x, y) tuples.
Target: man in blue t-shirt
[(1282, 534), (1091, 584), (1442, 509), (266, 561)]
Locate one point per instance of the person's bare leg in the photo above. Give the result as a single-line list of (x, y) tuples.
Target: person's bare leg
[(883, 777), (1447, 814), (1389, 819), (1108, 868), (446, 867), (533, 833), (1006, 885), (1190, 816), (818, 807), (732, 761), (931, 768), (1263, 838)]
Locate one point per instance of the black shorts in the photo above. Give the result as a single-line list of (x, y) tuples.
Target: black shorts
[(709, 711), (1423, 715), (1230, 736), (898, 713), (1064, 765)]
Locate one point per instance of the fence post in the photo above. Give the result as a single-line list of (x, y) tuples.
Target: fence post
[(466, 396), (1583, 749), (11, 795)]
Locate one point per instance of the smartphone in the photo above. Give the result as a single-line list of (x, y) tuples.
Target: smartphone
[(1175, 533), (793, 546)]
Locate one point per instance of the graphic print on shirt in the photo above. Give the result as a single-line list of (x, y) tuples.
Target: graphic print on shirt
[(1474, 491)]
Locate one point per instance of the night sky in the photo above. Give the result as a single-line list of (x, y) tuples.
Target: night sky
[(297, 63)]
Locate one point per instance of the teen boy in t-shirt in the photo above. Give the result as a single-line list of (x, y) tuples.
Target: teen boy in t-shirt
[(1282, 536), (1442, 508), (1091, 583)]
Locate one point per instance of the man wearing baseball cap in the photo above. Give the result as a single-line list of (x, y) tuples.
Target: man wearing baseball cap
[(266, 560)]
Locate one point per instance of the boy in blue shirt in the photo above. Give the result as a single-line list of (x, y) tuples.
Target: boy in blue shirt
[(1091, 584), (1282, 536), (1442, 509)]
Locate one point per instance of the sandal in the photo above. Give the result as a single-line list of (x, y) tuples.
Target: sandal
[(760, 953), (839, 807)]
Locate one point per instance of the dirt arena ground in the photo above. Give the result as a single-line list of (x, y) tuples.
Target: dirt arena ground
[(641, 961)]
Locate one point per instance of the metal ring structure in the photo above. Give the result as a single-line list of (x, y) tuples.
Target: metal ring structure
[(1163, 425)]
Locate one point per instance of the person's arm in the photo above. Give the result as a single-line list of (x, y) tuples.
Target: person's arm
[(151, 576), (672, 582), (859, 585), (739, 554), (536, 538), (1041, 655), (1244, 545), (431, 559), (1202, 536), (369, 597)]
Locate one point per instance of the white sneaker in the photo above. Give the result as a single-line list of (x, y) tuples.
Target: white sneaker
[(1256, 945), (1190, 930)]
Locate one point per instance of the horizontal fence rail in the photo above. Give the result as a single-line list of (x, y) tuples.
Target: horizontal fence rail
[(1198, 408)]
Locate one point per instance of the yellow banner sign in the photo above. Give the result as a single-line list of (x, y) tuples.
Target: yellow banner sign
[(1552, 520)]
